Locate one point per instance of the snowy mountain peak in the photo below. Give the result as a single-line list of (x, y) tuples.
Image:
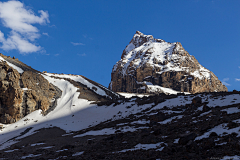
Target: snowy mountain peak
[(162, 63), (139, 33), (139, 39)]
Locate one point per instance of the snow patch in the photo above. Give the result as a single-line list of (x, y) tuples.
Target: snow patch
[(129, 95), (12, 65), (170, 119), (231, 110), (78, 153), (220, 129), (31, 155), (143, 146)]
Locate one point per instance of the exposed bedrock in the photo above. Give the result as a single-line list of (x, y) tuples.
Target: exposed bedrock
[(21, 94), (147, 61)]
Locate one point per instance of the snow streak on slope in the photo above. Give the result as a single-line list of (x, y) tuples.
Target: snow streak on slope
[(80, 79), (12, 65)]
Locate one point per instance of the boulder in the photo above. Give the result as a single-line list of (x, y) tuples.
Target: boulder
[(197, 101), (185, 139)]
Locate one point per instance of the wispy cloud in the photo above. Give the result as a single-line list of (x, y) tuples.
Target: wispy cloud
[(52, 26), (46, 34), (77, 44), (56, 55), (20, 20), (237, 79), (225, 83), (225, 79), (239, 67), (86, 36), (84, 54)]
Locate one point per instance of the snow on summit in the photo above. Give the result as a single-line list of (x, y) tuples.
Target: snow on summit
[(146, 50), (161, 63)]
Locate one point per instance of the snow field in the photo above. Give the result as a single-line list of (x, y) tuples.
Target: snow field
[(156, 146)]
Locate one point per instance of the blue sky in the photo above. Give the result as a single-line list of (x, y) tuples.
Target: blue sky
[(88, 37)]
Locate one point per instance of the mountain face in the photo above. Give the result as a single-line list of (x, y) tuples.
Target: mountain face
[(24, 90), (148, 65)]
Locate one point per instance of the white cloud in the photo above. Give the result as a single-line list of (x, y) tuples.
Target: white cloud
[(16, 17), (224, 81), (46, 34), (56, 54), (84, 54), (77, 44), (86, 36), (239, 67), (237, 79), (15, 41)]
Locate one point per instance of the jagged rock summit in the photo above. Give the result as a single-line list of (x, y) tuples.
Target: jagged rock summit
[(150, 65)]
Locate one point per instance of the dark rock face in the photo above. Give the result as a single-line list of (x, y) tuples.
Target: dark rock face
[(169, 65), (23, 93), (185, 139)]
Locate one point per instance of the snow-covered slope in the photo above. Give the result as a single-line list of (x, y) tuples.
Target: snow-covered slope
[(71, 114), (98, 89)]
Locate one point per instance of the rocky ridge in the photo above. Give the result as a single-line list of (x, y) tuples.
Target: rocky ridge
[(147, 64), (24, 90)]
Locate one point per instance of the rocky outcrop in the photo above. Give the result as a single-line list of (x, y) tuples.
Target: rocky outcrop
[(148, 62), (23, 93)]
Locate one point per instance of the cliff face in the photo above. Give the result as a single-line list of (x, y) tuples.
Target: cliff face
[(22, 92), (148, 63)]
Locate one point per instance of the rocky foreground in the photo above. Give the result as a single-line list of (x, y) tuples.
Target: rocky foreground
[(195, 126)]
